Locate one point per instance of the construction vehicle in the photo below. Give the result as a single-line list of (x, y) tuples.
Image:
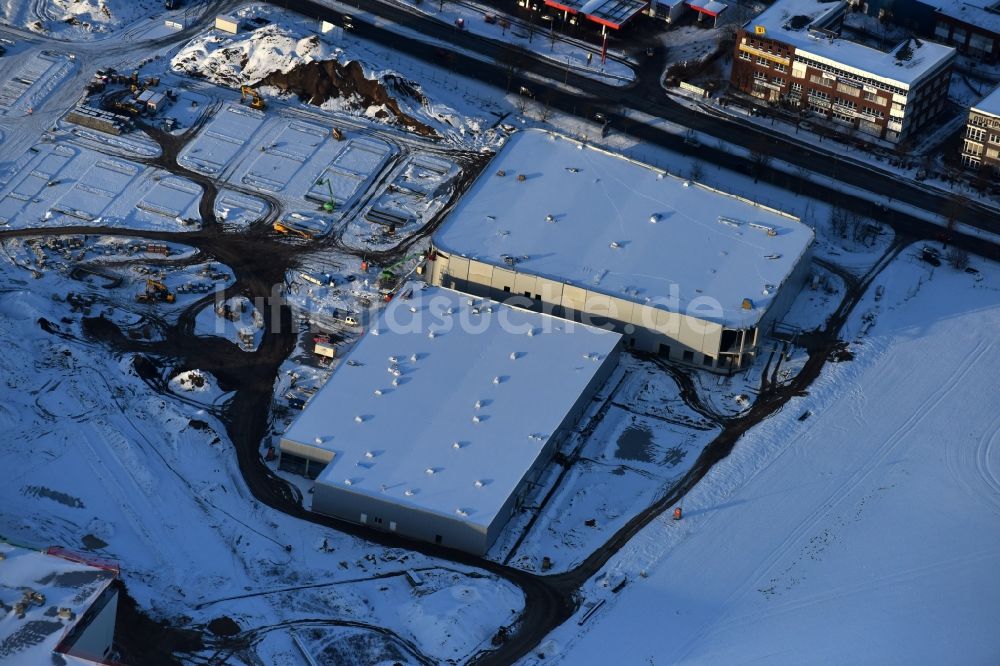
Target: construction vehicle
[(330, 203), (155, 292), (337, 134), (255, 100), (285, 229), (388, 279)]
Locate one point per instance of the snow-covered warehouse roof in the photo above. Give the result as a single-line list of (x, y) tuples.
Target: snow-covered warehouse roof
[(600, 221), (60, 583), (445, 406), (811, 26)]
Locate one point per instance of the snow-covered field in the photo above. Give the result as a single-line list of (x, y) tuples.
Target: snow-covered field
[(76, 19), (62, 185), (867, 533)]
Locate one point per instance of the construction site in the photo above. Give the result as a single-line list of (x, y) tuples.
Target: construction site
[(264, 382)]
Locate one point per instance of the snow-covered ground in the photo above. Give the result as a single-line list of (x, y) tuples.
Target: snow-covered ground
[(96, 458), (63, 185), (867, 533), (76, 20)]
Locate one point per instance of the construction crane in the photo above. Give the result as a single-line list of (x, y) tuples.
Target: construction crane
[(330, 203), (156, 291), (255, 100)]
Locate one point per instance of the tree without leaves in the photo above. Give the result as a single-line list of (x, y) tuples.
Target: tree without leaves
[(958, 258), (759, 161)]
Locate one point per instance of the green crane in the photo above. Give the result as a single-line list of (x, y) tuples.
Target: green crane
[(331, 203)]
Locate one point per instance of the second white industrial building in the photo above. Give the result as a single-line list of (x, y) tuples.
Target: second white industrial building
[(437, 423), (682, 270)]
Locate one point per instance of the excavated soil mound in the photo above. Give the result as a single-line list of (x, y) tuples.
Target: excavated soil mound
[(319, 81)]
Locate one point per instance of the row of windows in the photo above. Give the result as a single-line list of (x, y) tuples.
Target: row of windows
[(833, 70)]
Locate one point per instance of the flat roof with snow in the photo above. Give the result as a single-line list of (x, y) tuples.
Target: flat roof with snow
[(983, 14), (445, 406), (600, 221), (61, 582), (810, 26), (989, 104)]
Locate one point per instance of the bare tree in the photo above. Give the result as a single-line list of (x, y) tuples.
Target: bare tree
[(958, 258), (839, 221), (697, 171), (759, 161)]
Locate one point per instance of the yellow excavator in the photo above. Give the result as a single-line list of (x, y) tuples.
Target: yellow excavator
[(255, 100), (286, 229), (155, 291)]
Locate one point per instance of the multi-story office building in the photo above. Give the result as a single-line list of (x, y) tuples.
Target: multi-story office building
[(793, 54)]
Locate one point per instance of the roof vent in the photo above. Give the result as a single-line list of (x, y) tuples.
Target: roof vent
[(462, 512), (429, 471), (476, 419), (359, 419), (513, 356), (374, 331), (430, 334), (319, 440), (615, 244), (408, 492), (348, 482), (413, 358), (393, 360), (654, 218), (456, 445), (550, 218), (772, 257), (395, 382), (531, 332), (369, 454), (378, 391), (478, 484), (731, 221), (747, 304), (479, 404), (496, 380)]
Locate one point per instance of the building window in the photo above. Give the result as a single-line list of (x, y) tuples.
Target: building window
[(796, 87), (689, 356), (975, 134), (942, 31), (994, 138), (745, 56), (762, 61), (707, 361), (819, 94), (970, 162), (778, 67), (760, 76), (848, 104), (972, 149)]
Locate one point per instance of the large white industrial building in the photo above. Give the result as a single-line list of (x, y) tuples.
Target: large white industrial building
[(438, 421), (58, 608), (681, 269)]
